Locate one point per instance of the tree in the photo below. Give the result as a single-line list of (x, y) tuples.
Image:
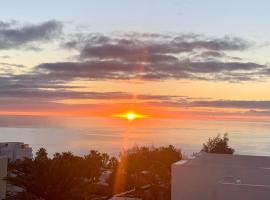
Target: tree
[(218, 145), (147, 166), (64, 177), (41, 154), (93, 163)]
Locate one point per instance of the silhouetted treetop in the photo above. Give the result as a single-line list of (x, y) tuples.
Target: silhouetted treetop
[(218, 145)]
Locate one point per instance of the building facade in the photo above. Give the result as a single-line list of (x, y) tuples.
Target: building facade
[(221, 177), (15, 151), (3, 174)]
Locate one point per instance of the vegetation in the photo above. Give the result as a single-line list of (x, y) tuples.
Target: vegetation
[(147, 166), (143, 171), (66, 176), (218, 145)]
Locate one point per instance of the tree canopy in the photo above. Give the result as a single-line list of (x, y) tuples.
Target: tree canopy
[(66, 176), (218, 145), (63, 177), (147, 166)]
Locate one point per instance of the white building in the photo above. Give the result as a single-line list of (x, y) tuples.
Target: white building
[(3, 173), (221, 177), (15, 150)]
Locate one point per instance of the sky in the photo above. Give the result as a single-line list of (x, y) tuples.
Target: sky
[(183, 59)]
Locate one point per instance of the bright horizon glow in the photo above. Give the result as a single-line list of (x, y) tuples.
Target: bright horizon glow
[(223, 74), (130, 116)]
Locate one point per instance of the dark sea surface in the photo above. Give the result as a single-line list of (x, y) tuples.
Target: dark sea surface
[(79, 135)]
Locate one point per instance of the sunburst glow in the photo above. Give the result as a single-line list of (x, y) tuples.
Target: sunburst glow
[(130, 116)]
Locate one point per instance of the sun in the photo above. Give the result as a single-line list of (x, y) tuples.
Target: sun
[(130, 116)]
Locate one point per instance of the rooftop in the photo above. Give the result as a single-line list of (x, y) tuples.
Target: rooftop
[(213, 176)]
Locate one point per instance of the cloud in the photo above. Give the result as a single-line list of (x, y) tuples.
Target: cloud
[(8, 69), (145, 56), (232, 104), (4, 24), (13, 36), (27, 91), (151, 56), (180, 109), (60, 92), (5, 57), (184, 102), (43, 98), (11, 65), (141, 46), (157, 68)]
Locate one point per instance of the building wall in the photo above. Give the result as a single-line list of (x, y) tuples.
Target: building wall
[(15, 150), (3, 173), (242, 191), (200, 178), (194, 182)]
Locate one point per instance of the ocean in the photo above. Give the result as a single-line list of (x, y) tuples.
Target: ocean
[(80, 135)]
